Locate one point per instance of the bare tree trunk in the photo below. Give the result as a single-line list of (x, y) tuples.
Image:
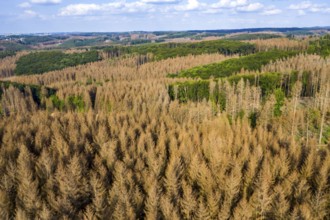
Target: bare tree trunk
[(296, 95), (324, 106)]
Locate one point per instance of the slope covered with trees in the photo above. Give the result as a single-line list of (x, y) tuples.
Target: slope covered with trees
[(252, 62), (168, 50), (254, 36), (41, 62), (8, 64), (320, 46), (36, 92), (112, 143), (6, 53)]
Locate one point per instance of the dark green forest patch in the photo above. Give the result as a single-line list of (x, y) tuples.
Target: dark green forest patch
[(7, 53), (41, 62), (320, 46), (263, 36), (169, 50), (269, 83), (226, 68)]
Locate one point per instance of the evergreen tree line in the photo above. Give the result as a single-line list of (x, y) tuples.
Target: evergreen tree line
[(320, 46), (7, 53), (169, 50), (41, 62), (267, 82), (226, 68)]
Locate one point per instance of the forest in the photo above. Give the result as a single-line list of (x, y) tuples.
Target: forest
[(170, 50), (254, 36), (41, 62), (6, 53), (320, 46), (249, 63), (19, 42), (209, 129)]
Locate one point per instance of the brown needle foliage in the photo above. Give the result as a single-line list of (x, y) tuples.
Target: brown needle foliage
[(132, 153)]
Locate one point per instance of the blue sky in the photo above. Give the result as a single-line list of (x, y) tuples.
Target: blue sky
[(31, 16)]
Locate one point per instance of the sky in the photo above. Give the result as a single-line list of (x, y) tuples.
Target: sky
[(46, 16)]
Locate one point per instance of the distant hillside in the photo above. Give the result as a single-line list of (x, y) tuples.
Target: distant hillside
[(72, 40)]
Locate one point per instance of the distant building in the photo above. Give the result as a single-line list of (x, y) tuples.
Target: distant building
[(135, 36)]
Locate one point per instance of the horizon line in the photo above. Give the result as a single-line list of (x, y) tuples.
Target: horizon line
[(187, 30)]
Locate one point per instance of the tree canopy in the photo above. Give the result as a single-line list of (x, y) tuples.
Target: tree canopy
[(169, 50), (228, 67), (41, 62)]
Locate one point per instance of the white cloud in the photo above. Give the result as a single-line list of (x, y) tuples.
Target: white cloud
[(79, 9), (304, 6), (46, 2), (113, 8), (135, 7), (236, 5), (251, 7), (230, 3), (212, 11), (301, 5), (160, 1), (271, 10), (30, 13), (165, 7), (25, 5), (190, 6)]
